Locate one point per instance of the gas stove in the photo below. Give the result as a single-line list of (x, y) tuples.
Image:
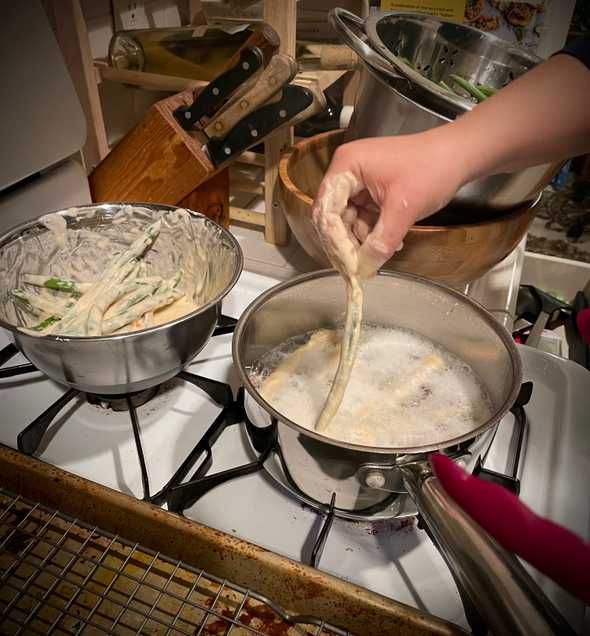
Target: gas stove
[(99, 440)]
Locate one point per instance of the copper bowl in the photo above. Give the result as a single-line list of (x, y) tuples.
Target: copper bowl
[(454, 254)]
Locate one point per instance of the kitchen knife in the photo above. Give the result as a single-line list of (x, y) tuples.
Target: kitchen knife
[(257, 125), (211, 98), (280, 70), (317, 106), (264, 38)]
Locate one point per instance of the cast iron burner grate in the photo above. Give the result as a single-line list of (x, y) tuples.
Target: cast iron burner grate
[(30, 438), (180, 493), (119, 402)]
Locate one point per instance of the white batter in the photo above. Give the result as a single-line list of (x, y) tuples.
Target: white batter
[(331, 210), (139, 286), (404, 390)]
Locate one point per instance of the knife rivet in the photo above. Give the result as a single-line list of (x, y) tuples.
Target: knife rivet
[(244, 103), (187, 115), (215, 91), (218, 125), (245, 66), (254, 132), (227, 150), (283, 113)]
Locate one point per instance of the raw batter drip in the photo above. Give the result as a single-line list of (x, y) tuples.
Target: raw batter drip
[(341, 249)]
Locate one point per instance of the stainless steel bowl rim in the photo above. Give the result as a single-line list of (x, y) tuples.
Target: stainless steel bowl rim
[(381, 77), (459, 102), (126, 336), (401, 450)]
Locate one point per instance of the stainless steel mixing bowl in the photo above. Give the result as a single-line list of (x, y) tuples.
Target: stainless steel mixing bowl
[(133, 361)]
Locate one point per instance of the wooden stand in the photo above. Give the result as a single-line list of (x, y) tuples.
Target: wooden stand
[(184, 159), (283, 17)]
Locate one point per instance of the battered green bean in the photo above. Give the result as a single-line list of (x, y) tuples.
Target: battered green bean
[(46, 323), (165, 295), (57, 283), (38, 305)]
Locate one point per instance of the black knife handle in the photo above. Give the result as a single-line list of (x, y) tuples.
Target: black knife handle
[(210, 99), (257, 125)]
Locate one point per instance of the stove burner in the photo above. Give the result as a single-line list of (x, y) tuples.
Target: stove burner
[(30, 438), (181, 493), (121, 402)]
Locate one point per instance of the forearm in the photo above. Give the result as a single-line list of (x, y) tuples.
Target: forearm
[(541, 117)]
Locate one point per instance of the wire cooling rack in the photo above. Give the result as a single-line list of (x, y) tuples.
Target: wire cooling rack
[(59, 575)]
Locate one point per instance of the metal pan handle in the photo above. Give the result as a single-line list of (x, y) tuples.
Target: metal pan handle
[(499, 587), (351, 30)]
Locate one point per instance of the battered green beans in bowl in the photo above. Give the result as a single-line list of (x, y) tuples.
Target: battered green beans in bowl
[(115, 298)]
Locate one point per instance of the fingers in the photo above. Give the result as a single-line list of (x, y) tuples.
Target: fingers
[(333, 216), (364, 222), (334, 194), (385, 236)]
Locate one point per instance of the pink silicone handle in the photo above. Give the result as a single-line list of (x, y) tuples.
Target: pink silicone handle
[(583, 324), (551, 548)]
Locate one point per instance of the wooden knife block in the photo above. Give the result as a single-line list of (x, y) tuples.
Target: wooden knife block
[(160, 162)]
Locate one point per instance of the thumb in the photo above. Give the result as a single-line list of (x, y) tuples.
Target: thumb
[(385, 238)]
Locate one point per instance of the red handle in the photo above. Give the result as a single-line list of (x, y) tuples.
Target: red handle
[(583, 324), (551, 548)]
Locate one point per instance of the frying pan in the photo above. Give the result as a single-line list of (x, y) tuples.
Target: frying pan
[(360, 477)]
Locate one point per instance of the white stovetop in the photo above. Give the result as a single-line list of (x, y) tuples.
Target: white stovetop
[(392, 558)]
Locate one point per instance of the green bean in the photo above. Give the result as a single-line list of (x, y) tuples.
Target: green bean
[(111, 292), (444, 85), (152, 303), (51, 320), (488, 91), (469, 87), (139, 246), (38, 306), (57, 283), (406, 61), (165, 295), (134, 293), (20, 296)]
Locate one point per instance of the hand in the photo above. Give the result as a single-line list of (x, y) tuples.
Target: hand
[(391, 182)]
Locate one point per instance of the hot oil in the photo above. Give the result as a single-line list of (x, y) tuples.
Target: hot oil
[(405, 390)]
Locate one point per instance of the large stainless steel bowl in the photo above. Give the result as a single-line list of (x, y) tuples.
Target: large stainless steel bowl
[(397, 98), (381, 110), (133, 361), (418, 52)]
